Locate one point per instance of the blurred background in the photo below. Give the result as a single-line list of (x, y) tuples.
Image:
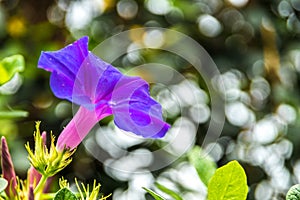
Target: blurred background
[(255, 45)]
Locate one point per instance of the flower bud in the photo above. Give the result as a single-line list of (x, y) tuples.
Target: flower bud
[(8, 170), (46, 161), (30, 193)]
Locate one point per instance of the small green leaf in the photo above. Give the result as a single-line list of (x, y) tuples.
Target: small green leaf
[(204, 165), (9, 66), (293, 193), (228, 183), (154, 194), (3, 184), (13, 114), (168, 191), (65, 193)]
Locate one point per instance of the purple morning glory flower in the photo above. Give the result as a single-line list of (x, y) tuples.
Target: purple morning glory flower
[(101, 90)]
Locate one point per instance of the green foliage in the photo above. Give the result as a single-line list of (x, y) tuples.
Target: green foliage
[(9, 66), (3, 184), (154, 194), (204, 165), (228, 183), (13, 114), (293, 193), (166, 190), (65, 193)]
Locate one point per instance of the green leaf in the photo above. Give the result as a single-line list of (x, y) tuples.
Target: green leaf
[(3, 184), (9, 66), (65, 193), (293, 193), (154, 194), (168, 191), (228, 183), (13, 114), (204, 165)]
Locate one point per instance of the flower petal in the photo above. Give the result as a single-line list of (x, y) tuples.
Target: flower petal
[(135, 110), (67, 60), (96, 80), (64, 65), (78, 75), (61, 86)]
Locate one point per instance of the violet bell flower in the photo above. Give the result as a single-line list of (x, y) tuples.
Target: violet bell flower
[(101, 90)]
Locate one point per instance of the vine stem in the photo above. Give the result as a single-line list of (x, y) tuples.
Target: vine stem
[(48, 196), (39, 188)]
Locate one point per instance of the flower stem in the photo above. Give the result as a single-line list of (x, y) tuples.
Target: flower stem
[(48, 196), (39, 188)]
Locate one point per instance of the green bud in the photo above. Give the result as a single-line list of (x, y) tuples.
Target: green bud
[(46, 161)]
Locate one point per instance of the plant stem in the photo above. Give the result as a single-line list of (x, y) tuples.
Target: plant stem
[(13, 114), (48, 195), (40, 186)]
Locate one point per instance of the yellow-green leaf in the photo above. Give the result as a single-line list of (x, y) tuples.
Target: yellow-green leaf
[(228, 183), (9, 66)]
